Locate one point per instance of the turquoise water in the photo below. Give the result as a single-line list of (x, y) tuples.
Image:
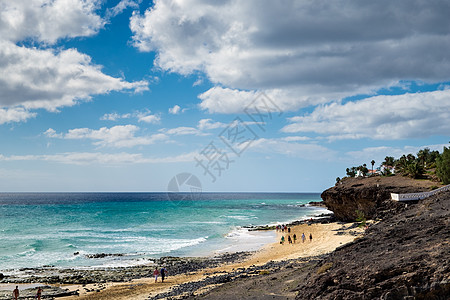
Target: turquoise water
[(47, 229)]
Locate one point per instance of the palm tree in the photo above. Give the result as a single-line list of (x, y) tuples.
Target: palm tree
[(388, 161), (372, 162)]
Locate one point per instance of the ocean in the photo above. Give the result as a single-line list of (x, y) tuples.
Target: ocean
[(63, 229)]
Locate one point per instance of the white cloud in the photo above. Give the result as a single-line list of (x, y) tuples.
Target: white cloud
[(207, 124), (183, 130), (232, 101), (118, 136), (44, 77), (149, 118), (114, 117), (16, 114), (309, 51), (202, 126), (85, 158), (48, 20), (141, 116), (121, 6), (51, 133), (199, 81), (296, 138), (175, 110), (51, 79), (306, 151), (380, 117), (379, 153)]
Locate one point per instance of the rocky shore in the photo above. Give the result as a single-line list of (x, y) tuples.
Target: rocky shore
[(177, 265)]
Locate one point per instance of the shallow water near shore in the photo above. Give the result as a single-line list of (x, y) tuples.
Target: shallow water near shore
[(62, 229)]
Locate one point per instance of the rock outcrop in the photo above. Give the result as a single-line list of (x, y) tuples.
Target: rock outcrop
[(370, 196)]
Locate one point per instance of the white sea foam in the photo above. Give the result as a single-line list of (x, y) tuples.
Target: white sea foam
[(241, 239), (242, 217), (206, 222)]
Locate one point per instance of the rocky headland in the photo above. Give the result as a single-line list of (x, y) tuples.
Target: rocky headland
[(371, 196)]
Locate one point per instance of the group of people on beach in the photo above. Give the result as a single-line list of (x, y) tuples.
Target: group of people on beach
[(283, 228), (16, 293), (294, 238)]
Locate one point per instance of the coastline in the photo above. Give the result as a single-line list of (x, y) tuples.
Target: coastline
[(137, 283)]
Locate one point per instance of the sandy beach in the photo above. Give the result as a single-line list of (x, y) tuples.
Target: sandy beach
[(326, 238)]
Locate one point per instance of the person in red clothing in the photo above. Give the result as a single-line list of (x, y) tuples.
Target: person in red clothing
[(156, 273)]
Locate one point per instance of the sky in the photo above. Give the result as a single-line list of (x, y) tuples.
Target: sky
[(255, 95)]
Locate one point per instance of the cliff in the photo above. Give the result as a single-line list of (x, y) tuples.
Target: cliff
[(370, 195)]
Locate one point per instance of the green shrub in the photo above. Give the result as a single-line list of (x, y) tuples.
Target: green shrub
[(361, 217), (443, 166)]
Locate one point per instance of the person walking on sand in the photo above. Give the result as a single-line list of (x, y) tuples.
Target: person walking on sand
[(156, 273), (16, 293), (310, 237), (303, 237), (282, 240), (289, 239), (38, 293), (163, 273), (294, 237)]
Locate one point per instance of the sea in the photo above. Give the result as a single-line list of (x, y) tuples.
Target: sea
[(64, 230)]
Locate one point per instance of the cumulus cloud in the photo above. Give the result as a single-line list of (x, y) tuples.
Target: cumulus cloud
[(207, 124), (380, 117), (309, 51), (175, 110), (46, 77), (226, 100), (50, 79), (48, 20), (148, 118), (16, 114), (120, 136)]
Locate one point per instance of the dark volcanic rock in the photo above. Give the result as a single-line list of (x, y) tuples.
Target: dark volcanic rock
[(370, 195), (405, 256), (100, 255), (175, 265)]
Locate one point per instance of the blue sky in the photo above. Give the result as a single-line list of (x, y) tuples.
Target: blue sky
[(124, 95)]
